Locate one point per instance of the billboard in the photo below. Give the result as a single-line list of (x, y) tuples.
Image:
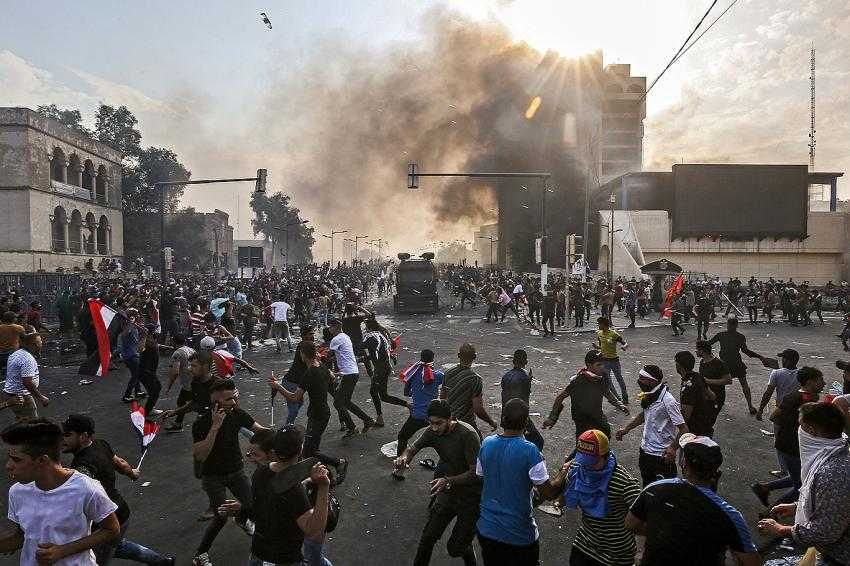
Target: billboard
[(740, 202)]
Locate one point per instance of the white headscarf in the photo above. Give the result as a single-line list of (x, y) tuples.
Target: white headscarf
[(814, 452)]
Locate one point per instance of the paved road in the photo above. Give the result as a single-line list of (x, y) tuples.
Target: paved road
[(381, 518)]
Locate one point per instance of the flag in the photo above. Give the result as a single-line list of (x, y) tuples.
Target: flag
[(672, 293), (395, 344), (147, 430), (223, 362), (107, 324), (410, 371)]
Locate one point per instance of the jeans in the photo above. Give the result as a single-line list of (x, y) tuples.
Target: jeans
[(549, 324), (291, 408), (216, 488), (378, 387), (124, 549), (497, 553), (313, 553), (133, 386), (410, 427), (791, 466), (343, 403), (445, 508), (613, 366)]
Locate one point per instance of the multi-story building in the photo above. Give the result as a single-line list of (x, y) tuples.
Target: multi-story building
[(60, 195)]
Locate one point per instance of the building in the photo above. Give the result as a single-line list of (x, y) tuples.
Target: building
[(251, 256), (215, 231), (590, 130), (60, 195), (725, 220), (486, 241)]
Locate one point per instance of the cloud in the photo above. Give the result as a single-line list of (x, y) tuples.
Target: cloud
[(748, 102), (27, 85)]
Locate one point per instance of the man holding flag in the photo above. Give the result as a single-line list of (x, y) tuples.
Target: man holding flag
[(94, 457)]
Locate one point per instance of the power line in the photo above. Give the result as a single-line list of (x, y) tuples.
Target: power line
[(673, 60), (682, 54)]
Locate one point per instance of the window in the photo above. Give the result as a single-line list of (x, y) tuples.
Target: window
[(250, 256)]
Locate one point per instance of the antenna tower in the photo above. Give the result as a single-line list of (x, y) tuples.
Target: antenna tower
[(812, 141)]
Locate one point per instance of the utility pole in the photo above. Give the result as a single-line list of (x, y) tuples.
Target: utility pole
[(492, 239), (331, 236), (356, 240), (812, 141), (350, 249), (380, 242), (285, 229), (611, 200)]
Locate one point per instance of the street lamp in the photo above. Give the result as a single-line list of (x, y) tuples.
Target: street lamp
[(356, 241), (331, 236)]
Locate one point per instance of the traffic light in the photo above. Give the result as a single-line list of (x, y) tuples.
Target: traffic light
[(412, 177), (261, 181), (169, 258)]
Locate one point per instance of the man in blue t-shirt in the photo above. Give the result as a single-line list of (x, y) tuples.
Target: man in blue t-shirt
[(511, 467), (421, 384)]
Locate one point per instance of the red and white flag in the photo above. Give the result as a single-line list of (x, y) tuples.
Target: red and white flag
[(107, 324), (223, 363), (147, 430), (412, 369)]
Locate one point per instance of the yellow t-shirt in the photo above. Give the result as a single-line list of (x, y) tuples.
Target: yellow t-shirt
[(608, 342)]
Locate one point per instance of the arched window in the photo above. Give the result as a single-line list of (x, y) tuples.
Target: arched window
[(75, 170), (100, 186), (75, 233), (88, 176), (57, 165), (90, 233), (58, 229), (103, 236)]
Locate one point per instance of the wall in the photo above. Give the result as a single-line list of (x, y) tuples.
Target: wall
[(821, 257), (15, 234)]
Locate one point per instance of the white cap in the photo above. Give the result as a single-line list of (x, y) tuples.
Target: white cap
[(207, 343), (690, 437)]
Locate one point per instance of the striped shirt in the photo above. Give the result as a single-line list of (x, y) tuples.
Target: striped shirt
[(460, 386), (607, 539)]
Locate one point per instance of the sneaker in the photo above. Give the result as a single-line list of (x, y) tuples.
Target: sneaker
[(202, 560), (349, 432), (367, 425), (128, 398), (174, 428), (247, 526), (761, 491), (207, 515), (141, 395)]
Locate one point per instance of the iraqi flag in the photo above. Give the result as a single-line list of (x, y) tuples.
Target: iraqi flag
[(107, 324), (672, 294), (395, 344), (223, 362), (146, 429)]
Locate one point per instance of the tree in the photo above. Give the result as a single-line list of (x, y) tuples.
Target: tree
[(71, 118), (116, 127), (152, 164), (274, 211)]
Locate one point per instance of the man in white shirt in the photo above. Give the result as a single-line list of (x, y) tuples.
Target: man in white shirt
[(663, 424), (53, 507), (346, 363), (21, 387), (280, 323)]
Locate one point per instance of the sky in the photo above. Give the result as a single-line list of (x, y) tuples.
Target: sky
[(193, 72)]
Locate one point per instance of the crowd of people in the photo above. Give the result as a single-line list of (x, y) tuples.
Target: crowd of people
[(488, 485)]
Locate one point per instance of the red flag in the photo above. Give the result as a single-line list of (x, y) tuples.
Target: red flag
[(672, 294), (410, 371), (107, 324), (223, 362), (147, 430), (395, 344)]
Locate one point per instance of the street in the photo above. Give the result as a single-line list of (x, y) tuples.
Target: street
[(381, 518)]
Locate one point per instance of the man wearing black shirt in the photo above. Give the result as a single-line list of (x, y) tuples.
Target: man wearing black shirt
[(715, 374), (684, 520), (216, 447), (586, 390), (378, 366), (202, 379), (695, 398), (296, 371), (732, 345), (95, 458), (283, 515), (314, 383)]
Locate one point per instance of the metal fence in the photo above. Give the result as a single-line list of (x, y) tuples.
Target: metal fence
[(42, 287)]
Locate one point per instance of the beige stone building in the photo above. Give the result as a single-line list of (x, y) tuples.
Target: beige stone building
[(60, 195)]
